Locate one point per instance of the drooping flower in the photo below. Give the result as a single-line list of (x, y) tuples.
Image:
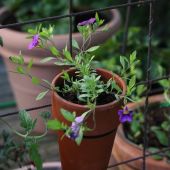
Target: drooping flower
[(35, 42), (125, 115), (87, 22), (75, 126)]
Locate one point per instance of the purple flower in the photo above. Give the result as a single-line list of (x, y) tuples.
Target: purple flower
[(75, 126), (87, 22), (35, 42), (125, 115)]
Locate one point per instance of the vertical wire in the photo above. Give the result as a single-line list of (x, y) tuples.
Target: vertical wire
[(70, 25), (126, 29), (148, 71)]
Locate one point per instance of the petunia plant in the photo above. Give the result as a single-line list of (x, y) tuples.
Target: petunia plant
[(87, 85)]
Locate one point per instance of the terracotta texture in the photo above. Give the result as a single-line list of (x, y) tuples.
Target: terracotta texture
[(94, 152), (125, 150)]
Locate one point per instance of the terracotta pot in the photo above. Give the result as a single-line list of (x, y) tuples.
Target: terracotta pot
[(125, 150), (46, 166), (15, 41), (95, 149)]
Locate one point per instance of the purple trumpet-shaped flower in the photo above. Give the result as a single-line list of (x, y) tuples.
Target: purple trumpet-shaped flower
[(75, 126), (35, 42), (87, 22), (125, 115)]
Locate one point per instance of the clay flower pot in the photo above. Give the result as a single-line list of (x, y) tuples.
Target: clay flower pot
[(124, 149), (14, 41), (95, 150)]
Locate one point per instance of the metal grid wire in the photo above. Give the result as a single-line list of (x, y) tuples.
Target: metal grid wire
[(148, 82)]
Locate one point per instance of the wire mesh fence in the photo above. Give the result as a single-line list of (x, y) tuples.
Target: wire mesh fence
[(148, 81)]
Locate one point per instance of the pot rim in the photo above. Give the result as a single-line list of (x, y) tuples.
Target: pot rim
[(85, 106)]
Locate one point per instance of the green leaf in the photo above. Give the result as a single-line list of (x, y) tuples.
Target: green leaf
[(20, 70), (35, 80), (93, 49), (68, 115), (161, 135), (165, 126), (75, 44), (42, 95), (47, 59), (17, 59), (132, 57), (46, 81), (1, 42), (135, 126), (26, 121), (35, 156), (97, 17), (79, 139), (54, 124), (132, 82), (122, 61), (156, 156), (54, 51), (30, 64), (45, 115), (67, 55), (32, 31)]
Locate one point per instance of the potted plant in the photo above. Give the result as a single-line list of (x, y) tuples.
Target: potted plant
[(131, 135), (87, 102), (22, 13)]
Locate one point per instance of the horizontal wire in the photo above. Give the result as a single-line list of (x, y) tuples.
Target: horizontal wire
[(48, 105), (152, 81), (29, 109), (140, 157), (75, 14)]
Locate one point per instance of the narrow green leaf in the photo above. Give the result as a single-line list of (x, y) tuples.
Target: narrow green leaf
[(132, 57), (80, 136), (26, 121), (75, 44), (45, 115), (20, 70), (35, 80), (132, 82), (122, 61), (156, 156), (54, 51), (42, 95), (93, 49), (47, 59), (67, 115), (35, 156), (67, 55), (161, 136), (54, 124), (17, 59), (29, 66)]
